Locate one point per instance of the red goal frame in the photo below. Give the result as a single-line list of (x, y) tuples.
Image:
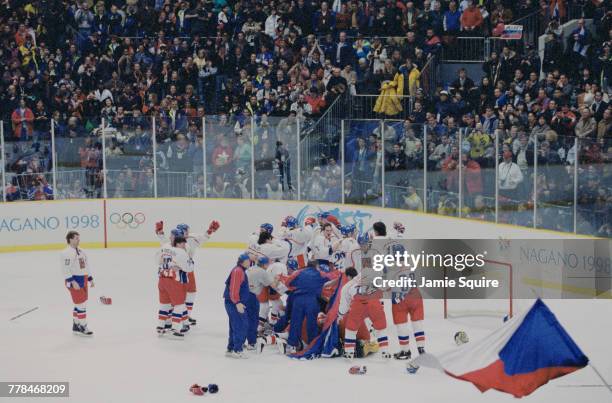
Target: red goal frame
[(508, 267)]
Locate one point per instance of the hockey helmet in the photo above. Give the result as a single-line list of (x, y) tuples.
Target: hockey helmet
[(267, 227)]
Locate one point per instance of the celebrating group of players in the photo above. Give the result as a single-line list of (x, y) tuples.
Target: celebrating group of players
[(280, 290)]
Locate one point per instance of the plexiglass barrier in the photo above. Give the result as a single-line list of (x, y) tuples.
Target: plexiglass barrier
[(536, 179)]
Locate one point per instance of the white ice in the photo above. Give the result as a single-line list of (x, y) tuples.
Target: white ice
[(125, 360)]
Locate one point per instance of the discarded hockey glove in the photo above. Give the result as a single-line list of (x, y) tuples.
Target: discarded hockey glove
[(213, 227), (213, 388), (198, 390), (159, 227), (358, 370)]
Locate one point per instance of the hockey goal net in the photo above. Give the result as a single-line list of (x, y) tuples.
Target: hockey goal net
[(493, 302)]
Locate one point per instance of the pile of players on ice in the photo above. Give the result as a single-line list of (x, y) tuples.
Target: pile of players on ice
[(280, 289)]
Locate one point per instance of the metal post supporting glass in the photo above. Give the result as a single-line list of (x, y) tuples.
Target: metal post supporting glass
[(154, 141)]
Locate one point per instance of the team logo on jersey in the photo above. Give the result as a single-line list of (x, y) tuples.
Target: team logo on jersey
[(127, 220)]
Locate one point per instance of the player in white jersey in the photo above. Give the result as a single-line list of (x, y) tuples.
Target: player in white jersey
[(194, 241), (322, 219), (347, 250), (259, 278), (275, 292), (323, 246), (299, 239), (274, 249), (77, 277), (253, 249), (407, 305), (365, 302), (173, 264)]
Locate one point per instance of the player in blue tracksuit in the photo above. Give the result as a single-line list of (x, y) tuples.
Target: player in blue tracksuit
[(307, 285), (236, 296)]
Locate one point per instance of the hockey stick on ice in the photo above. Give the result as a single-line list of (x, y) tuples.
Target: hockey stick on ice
[(22, 314), (605, 383)]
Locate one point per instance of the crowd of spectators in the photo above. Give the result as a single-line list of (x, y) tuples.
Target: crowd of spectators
[(258, 70), (561, 118)]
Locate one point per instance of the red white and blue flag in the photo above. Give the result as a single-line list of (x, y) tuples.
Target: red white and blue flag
[(524, 354), (326, 343), (512, 32)]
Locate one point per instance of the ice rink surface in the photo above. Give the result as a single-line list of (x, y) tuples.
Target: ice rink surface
[(125, 360)]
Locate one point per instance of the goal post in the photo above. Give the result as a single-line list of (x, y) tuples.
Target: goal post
[(490, 302)]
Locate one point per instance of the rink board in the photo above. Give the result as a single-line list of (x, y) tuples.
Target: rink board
[(130, 222)]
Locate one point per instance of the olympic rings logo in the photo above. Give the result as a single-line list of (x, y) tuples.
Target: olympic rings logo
[(127, 220)]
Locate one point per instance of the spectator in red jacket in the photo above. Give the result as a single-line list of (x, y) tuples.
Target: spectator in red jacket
[(471, 19), (23, 122)]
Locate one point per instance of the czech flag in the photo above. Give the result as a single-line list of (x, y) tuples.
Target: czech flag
[(524, 354)]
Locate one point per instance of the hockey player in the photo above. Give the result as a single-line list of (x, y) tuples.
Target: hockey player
[(77, 277), (361, 342), (236, 296), (254, 238), (273, 249), (299, 238), (306, 285), (173, 266), (277, 269), (363, 301), (408, 305), (322, 248), (346, 250), (194, 241), (259, 277)]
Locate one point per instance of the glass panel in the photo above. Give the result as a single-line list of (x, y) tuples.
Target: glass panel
[(594, 214), (478, 174), (403, 165), (442, 168), (555, 182), (78, 155), (2, 162), (516, 159), (129, 156), (180, 159), (276, 157), (228, 159), (320, 149), (27, 147), (363, 162)]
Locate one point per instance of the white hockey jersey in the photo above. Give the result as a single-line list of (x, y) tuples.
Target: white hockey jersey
[(276, 269), (258, 279), (74, 262), (349, 254), (174, 263), (323, 248), (348, 291), (274, 250), (299, 239), (194, 241)]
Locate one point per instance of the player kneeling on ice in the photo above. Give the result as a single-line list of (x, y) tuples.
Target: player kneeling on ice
[(173, 265), (77, 275), (259, 277), (236, 296)]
